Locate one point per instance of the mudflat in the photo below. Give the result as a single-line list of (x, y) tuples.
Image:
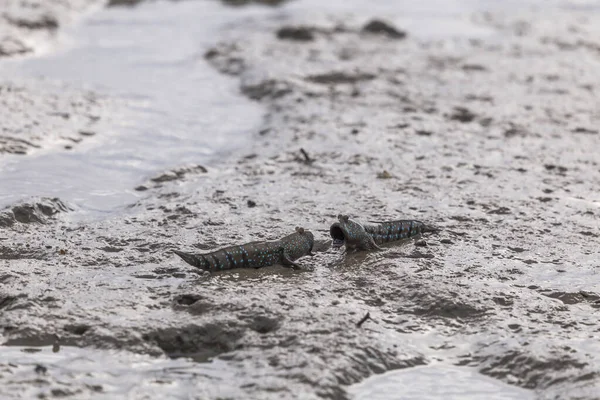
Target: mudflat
[(484, 123)]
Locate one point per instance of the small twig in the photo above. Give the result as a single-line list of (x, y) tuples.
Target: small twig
[(363, 320), (307, 158)]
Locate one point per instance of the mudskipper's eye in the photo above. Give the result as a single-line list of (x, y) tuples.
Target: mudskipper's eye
[(346, 218)]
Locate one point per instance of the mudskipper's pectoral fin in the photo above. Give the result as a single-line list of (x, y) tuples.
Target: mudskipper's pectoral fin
[(286, 262), (374, 245)]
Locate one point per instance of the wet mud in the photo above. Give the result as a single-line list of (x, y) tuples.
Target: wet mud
[(37, 116), (489, 139), (27, 27)]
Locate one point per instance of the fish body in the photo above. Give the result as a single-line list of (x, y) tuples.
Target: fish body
[(384, 232), (354, 235), (255, 254)]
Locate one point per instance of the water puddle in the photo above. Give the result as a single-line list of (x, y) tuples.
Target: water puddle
[(436, 382), (111, 374)]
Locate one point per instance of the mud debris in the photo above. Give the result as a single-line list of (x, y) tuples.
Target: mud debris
[(296, 33), (380, 27), (363, 320), (237, 3), (39, 211)]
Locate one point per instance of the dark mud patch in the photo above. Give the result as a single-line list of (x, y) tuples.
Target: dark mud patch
[(368, 361), (33, 22), (200, 342), (259, 87), (533, 371), (21, 251), (239, 3), (264, 324), (30, 337), (36, 212), (296, 33), (124, 3), (337, 78), (177, 174), (462, 114), (6, 301), (380, 27), (193, 303), (574, 297), (77, 329)]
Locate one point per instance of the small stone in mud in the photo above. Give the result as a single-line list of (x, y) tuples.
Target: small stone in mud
[(423, 133), (473, 67), (296, 33), (62, 252), (552, 167), (384, 175), (585, 130), (178, 174), (263, 324), (126, 3), (187, 299), (338, 78), (251, 204), (421, 243), (245, 2), (141, 188), (516, 249), (380, 27), (462, 114), (40, 369)]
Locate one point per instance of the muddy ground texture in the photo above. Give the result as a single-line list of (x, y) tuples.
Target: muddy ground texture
[(492, 140)]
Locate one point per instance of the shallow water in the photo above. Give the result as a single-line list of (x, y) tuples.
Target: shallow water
[(436, 382), (178, 110)]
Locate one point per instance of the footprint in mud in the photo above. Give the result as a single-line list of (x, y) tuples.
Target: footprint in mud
[(203, 342), (199, 342)]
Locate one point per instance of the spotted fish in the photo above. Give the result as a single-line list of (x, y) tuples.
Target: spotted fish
[(255, 254), (357, 236)]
